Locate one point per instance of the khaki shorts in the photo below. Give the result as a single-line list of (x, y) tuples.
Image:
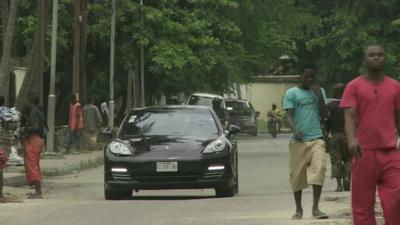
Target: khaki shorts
[(307, 164)]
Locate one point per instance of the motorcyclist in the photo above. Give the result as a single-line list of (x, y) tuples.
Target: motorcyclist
[(222, 114), (273, 116)]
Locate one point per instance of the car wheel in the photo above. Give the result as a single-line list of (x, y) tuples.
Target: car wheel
[(117, 194), (236, 186), (225, 192)]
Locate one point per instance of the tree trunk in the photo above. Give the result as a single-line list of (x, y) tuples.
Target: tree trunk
[(136, 85), (130, 90), (4, 15), (83, 50), (239, 91), (33, 81), (6, 54), (42, 13)]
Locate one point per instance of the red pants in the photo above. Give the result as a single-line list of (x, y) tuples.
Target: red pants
[(376, 168), (33, 145)]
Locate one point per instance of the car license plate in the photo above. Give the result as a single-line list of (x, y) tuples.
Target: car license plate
[(167, 167)]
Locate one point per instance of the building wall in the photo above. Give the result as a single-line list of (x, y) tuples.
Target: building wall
[(264, 94)]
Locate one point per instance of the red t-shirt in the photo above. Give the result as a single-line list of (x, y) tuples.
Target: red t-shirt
[(375, 105), (75, 113)]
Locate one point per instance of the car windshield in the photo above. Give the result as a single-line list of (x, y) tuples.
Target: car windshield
[(200, 100), (170, 122), (239, 108)]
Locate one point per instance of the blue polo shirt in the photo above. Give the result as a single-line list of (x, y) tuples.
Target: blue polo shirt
[(306, 112)]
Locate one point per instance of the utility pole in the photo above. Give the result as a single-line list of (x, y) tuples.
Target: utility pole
[(51, 110), (142, 102), (77, 47), (112, 50)]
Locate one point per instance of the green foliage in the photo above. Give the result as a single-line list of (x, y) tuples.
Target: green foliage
[(207, 45), (344, 32)]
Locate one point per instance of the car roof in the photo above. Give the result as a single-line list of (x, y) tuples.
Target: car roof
[(208, 95)]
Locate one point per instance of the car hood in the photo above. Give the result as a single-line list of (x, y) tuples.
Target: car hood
[(168, 145)]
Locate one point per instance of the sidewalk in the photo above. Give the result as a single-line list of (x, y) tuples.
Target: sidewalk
[(66, 164)]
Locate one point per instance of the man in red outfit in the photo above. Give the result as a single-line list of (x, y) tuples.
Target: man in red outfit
[(75, 124), (372, 114)]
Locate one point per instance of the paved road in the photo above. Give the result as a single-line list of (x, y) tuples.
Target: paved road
[(265, 197)]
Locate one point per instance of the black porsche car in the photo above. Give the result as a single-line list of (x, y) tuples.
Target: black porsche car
[(171, 147)]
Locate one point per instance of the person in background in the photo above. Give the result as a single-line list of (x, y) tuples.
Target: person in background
[(274, 115), (75, 125), (340, 156), (91, 122), (104, 113), (3, 164), (222, 114), (2, 109), (33, 131)]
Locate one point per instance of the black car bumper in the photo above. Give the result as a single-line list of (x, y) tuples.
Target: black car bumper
[(248, 129), (192, 174), (136, 185)]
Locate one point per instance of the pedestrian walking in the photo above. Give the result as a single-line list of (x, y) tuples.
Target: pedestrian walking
[(75, 124), (3, 164), (372, 112), (305, 106), (33, 131), (340, 156), (221, 112), (104, 113), (274, 119), (91, 122)]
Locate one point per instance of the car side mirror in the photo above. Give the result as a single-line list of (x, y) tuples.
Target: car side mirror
[(257, 113)]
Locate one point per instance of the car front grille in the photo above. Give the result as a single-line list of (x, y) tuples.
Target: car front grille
[(187, 178)]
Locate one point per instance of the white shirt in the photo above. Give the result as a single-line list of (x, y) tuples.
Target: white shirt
[(104, 108)]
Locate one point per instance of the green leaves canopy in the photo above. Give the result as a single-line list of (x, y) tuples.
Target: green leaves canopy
[(206, 45)]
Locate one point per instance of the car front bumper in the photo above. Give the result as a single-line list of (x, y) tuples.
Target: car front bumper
[(136, 185), (192, 174)]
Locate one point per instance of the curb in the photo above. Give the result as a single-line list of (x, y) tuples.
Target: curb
[(19, 180)]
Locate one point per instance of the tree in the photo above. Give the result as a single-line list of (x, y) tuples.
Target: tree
[(33, 81), (6, 54), (83, 50), (346, 29), (4, 5)]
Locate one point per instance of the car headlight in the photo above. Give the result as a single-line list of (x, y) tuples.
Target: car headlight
[(215, 146), (119, 148)]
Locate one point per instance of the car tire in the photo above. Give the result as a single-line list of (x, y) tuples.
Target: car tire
[(117, 194), (236, 185), (225, 192)]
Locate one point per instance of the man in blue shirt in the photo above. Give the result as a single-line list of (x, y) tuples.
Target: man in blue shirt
[(306, 106)]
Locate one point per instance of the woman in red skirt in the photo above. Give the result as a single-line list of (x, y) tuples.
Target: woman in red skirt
[(33, 128)]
